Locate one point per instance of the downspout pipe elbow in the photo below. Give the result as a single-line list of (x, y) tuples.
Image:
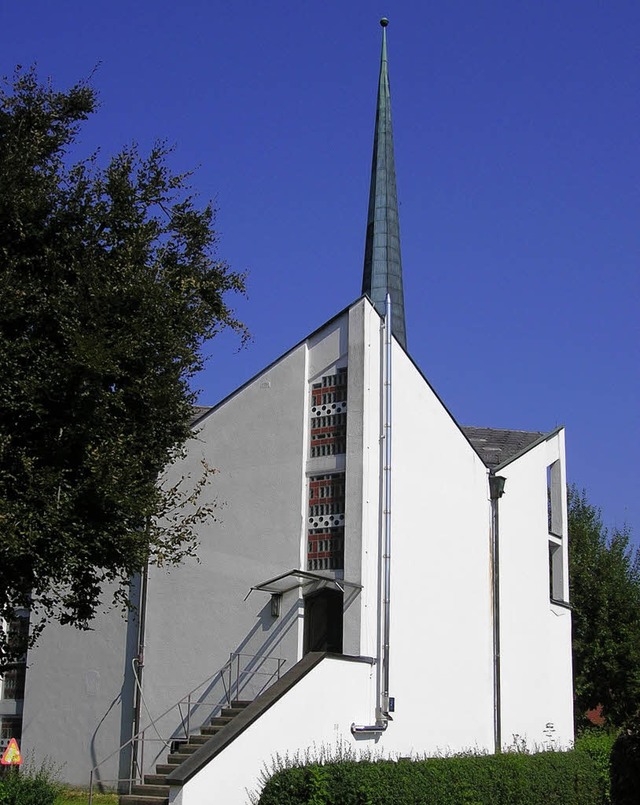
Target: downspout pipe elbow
[(362, 729)]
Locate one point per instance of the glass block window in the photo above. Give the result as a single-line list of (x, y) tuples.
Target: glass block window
[(329, 415), (325, 531)]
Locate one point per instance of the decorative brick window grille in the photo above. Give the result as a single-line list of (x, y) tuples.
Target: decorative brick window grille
[(329, 415), (325, 532)]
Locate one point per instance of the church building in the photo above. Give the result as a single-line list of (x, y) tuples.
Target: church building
[(379, 580)]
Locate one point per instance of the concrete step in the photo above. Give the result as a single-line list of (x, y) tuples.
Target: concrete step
[(209, 731), (199, 739), (166, 768), (155, 791), (155, 779), (231, 712), (150, 790), (188, 748), (221, 721), (135, 799), (177, 759)]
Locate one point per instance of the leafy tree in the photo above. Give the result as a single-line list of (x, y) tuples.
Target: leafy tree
[(604, 572), (109, 286)]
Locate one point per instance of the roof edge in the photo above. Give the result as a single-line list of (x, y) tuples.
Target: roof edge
[(544, 438), (280, 357)]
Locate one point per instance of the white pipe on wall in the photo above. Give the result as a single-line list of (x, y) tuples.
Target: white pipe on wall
[(384, 595)]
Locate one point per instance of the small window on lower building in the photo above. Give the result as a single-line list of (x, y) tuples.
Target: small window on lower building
[(556, 572), (10, 727), (13, 680)]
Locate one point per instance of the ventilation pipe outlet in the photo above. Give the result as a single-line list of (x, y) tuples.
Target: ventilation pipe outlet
[(359, 729)]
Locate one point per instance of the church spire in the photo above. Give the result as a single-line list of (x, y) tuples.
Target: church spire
[(382, 262)]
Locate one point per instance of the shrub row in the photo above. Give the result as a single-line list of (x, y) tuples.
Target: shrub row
[(548, 778), (38, 788), (625, 765)]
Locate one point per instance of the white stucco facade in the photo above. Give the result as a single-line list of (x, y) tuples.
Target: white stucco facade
[(537, 687), (442, 651)]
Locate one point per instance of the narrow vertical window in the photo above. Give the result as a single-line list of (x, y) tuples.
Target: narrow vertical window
[(554, 499), (555, 527), (556, 572)]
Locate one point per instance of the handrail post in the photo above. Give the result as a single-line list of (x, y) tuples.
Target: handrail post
[(252, 668), (142, 758)]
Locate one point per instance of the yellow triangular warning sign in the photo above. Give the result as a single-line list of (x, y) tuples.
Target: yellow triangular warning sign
[(11, 755)]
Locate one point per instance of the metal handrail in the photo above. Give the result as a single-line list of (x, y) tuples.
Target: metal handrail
[(241, 680)]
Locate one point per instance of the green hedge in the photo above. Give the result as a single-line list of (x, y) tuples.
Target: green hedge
[(37, 788), (625, 765), (549, 778)]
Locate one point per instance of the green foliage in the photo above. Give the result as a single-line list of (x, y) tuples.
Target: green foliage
[(604, 577), (549, 778), (597, 744), (80, 796), (625, 764), (108, 288), (29, 786)]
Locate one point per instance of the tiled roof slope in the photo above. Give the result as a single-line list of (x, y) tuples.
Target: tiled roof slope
[(198, 411), (497, 446)]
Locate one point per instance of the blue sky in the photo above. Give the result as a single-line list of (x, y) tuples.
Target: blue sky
[(516, 134)]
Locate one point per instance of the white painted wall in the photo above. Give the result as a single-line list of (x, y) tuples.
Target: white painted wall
[(314, 715), (537, 688), (441, 651), (441, 614)]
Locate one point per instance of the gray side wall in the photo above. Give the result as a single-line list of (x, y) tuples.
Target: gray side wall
[(197, 614), (78, 698)]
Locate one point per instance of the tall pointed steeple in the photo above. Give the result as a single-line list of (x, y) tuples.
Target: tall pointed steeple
[(382, 262)]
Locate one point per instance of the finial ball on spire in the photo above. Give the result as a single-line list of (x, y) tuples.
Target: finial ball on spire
[(384, 22)]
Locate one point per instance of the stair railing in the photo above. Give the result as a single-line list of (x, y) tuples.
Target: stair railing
[(236, 682), (239, 680)]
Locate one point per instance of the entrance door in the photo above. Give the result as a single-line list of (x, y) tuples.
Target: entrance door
[(323, 621)]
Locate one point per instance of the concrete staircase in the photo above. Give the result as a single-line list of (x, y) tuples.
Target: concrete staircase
[(155, 791)]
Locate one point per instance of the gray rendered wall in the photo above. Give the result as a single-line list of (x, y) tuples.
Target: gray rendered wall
[(78, 698), (197, 614)]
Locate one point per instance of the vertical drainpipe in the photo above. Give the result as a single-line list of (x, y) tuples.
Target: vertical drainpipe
[(384, 595), (496, 490), (383, 715), (139, 665)]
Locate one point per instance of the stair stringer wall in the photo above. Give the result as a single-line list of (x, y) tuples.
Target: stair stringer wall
[(312, 717)]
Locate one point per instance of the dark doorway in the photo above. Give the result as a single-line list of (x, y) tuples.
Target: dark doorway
[(323, 621)]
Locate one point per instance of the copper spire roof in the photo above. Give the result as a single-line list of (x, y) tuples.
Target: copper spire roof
[(382, 262)]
